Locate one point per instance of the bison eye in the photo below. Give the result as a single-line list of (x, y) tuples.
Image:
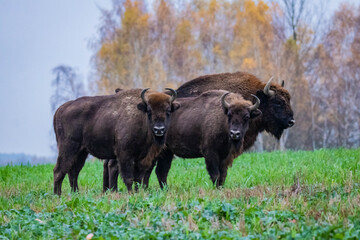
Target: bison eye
[(246, 117), (278, 103)]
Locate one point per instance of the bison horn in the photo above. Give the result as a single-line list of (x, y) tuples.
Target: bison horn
[(267, 90), (143, 95), (224, 104), (256, 105), (173, 94), (282, 83)]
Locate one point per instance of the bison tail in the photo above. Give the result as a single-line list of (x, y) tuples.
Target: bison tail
[(58, 129)]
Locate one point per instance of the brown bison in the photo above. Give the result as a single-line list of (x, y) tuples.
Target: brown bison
[(129, 126), (275, 100), (277, 114), (213, 126)]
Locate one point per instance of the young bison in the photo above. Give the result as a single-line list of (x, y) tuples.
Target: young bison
[(213, 126), (129, 126)]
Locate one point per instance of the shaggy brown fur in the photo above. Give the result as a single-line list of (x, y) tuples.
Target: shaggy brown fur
[(276, 109), (277, 114), (119, 126), (201, 128)]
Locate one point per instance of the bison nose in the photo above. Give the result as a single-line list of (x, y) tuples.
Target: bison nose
[(235, 135), (159, 131), (291, 122)]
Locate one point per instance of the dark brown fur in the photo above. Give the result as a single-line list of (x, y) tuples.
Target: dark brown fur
[(201, 128), (273, 120), (276, 110), (117, 126)]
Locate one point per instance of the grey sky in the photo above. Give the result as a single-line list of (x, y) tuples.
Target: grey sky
[(36, 36)]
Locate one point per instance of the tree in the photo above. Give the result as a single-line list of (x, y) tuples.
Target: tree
[(169, 42), (297, 32), (337, 67), (67, 86)]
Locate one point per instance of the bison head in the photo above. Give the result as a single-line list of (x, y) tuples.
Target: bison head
[(158, 107), (239, 112), (276, 109)]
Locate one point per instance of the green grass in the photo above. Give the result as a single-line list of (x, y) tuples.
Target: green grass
[(292, 195)]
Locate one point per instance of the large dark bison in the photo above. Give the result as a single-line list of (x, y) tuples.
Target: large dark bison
[(277, 114), (129, 126), (212, 125), (275, 100)]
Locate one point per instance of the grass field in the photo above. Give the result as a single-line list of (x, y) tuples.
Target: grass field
[(293, 195)]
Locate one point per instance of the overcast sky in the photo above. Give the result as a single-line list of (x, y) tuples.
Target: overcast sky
[(36, 36)]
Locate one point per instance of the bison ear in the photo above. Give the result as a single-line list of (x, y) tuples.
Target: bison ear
[(175, 106), (255, 113), (142, 107)]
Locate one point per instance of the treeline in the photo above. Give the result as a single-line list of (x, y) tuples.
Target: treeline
[(168, 42), (21, 158)]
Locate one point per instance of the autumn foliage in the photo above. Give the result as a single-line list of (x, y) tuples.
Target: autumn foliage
[(163, 43)]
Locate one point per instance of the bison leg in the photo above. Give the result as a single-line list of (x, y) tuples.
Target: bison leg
[(126, 166), (223, 173), (163, 165), (212, 166), (106, 176), (59, 175), (66, 161), (75, 170), (147, 174), (113, 171), (137, 178), (223, 167)]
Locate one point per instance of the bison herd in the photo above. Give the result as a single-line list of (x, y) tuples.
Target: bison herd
[(214, 116)]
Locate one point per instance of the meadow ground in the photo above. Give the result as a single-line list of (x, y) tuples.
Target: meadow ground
[(293, 195)]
